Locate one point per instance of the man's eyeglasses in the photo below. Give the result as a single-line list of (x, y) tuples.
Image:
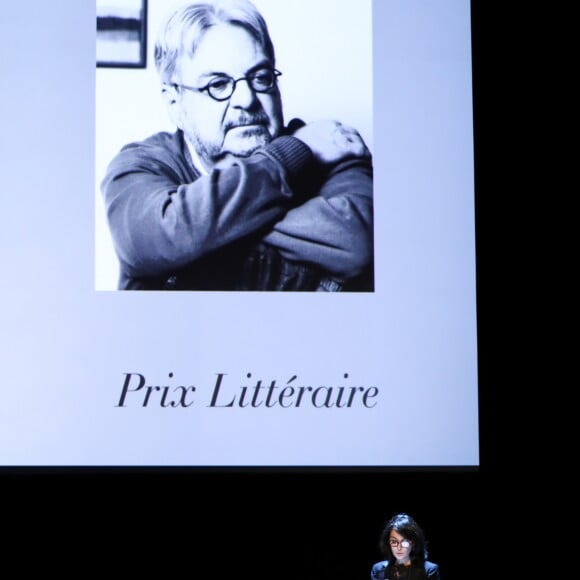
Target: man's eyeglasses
[(403, 543), (222, 88)]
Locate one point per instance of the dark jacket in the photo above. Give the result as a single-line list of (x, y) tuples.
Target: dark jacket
[(430, 570)]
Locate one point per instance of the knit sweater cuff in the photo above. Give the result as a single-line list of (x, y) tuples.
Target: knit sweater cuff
[(292, 153)]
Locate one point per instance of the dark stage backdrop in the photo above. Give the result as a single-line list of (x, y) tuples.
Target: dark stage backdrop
[(249, 524)]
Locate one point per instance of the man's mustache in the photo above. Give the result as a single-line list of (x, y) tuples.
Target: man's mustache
[(243, 120)]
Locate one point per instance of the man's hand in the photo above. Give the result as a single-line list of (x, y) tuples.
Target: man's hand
[(331, 141)]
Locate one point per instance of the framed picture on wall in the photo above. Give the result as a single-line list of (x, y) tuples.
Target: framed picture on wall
[(122, 33)]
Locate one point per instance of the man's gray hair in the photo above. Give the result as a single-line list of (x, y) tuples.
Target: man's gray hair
[(184, 28)]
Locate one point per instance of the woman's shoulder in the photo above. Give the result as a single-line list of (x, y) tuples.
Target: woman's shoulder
[(431, 569), (378, 570)]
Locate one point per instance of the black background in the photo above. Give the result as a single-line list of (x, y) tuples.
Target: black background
[(248, 523)]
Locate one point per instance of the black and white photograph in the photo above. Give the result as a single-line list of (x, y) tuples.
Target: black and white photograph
[(240, 160), (121, 33)]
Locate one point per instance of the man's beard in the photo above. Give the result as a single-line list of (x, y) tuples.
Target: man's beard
[(242, 142)]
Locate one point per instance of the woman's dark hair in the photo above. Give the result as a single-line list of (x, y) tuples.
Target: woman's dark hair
[(407, 527)]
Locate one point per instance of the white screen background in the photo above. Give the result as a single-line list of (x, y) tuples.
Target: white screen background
[(67, 344)]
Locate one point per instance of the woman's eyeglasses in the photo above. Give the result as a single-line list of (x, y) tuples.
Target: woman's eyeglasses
[(403, 543)]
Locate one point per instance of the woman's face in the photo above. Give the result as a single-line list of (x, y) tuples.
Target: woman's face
[(400, 547)]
